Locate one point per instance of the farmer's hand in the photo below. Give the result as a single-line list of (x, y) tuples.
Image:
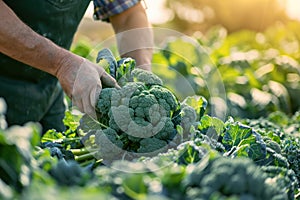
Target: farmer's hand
[(82, 81)]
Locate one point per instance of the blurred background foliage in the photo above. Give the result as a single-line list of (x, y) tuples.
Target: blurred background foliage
[(194, 15), (243, 56), (244, 74)]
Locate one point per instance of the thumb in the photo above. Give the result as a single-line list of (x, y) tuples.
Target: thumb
[(108, 80)]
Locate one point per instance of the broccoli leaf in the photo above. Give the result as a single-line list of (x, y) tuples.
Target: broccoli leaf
[(106, 54), (124, 69), (246, 141), (199, 103)]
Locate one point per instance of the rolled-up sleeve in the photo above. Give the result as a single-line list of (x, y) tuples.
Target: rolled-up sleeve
[(103, 9)]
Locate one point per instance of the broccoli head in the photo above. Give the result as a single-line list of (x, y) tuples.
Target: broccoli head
[(141, 111)]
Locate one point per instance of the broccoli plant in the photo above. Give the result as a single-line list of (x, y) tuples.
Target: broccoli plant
[(242, 140), (225, 178), (285, 178), (291, 150), (141, 116)]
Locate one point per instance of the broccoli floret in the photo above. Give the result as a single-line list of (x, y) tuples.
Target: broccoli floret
[(120, 117), (148, 145), (109, 144), (140, 75), (104, 104), (165, 98), (139, 128), (134, 139), (167, 131), (111, 134), (142, 104), (131, 89), (189, 117)]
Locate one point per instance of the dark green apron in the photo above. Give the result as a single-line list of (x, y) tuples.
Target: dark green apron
[(31, 94)]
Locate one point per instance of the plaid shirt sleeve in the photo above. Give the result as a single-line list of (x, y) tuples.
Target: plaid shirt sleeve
[(103, 9)]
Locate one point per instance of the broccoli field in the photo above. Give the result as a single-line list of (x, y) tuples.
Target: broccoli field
[(154, 139)]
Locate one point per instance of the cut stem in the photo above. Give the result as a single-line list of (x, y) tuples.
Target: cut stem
[(87, 156)]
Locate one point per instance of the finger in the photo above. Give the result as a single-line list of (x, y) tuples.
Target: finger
[(109, 81), (106, 78), (90, 108), (94, 96)]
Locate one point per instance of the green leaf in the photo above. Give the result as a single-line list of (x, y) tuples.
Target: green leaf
[(124, 68), (16, 147), (171, 178), (207, 122), (199, 103), (106, 54), (135, 187), (72, 120), (247, 142)]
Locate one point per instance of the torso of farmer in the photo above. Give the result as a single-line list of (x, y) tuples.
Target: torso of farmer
[(56, 20), (31, 94)]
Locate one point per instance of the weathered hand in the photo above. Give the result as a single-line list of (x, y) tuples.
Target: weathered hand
[(83, 82)]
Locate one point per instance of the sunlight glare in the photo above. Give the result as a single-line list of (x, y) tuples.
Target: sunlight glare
[(293, 9)]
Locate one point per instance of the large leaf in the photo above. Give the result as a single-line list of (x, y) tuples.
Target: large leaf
[(241, 140)]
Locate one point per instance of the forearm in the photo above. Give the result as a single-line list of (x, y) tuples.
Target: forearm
[(134, 35), (20, 42)]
